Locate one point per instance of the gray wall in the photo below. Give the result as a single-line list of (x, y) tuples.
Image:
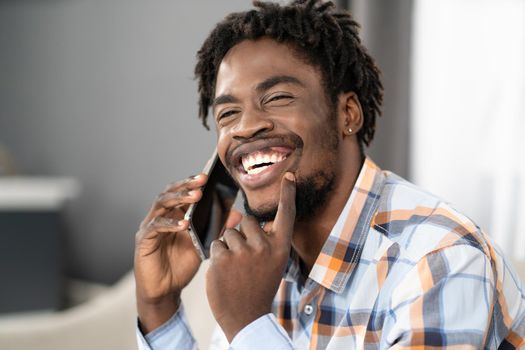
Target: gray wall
[(387, 27), (102, 90)]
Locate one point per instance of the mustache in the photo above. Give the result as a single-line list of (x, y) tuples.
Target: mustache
[(288, 139)]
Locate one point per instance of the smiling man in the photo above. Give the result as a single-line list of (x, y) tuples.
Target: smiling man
[(348, 255)]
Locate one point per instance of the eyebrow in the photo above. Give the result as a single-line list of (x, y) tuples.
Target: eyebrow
[(261, 87), (224, 99), (275, 80)]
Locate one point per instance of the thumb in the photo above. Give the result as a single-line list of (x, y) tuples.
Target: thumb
[(285, 217)]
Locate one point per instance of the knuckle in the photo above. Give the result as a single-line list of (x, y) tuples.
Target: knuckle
[(139, 235), (167, 201), (171, 185), (213, 246), (261, 247), (245, 254), (150, 225), (159, 198), (161, 221), (217, 251), (143, 234), (196, 194), (179, 194), (170, 199), (215, 254), (229, 233)]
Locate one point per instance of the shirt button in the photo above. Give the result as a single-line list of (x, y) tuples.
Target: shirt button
[(308, 309)]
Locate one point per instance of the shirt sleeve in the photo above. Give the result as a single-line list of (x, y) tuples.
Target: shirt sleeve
[(174, 334), (445, 301), (262, 334)]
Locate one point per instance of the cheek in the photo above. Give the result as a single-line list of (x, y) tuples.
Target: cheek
[(320, 145), (222, 146), (313, 132)]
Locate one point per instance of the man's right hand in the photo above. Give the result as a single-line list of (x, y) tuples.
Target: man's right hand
[(165, 258)]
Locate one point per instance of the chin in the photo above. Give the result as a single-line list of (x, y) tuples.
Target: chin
[(263, 211)]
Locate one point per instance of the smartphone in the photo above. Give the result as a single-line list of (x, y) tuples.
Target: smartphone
[(208, 216)]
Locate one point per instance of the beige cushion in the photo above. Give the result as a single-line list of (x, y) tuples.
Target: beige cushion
[(106, 322)]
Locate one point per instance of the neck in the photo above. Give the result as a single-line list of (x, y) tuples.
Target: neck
[(310, 235)]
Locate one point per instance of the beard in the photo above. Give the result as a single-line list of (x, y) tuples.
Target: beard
[(310, 196), (312, 191)]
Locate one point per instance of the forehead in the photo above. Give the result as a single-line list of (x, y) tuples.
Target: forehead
[(252, 61)]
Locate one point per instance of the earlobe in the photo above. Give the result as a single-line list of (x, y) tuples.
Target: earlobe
[(347, 130)]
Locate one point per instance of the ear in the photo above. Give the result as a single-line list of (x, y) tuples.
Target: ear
[(350, 113)]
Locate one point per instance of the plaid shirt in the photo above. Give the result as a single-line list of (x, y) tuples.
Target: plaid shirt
[(401, 269)]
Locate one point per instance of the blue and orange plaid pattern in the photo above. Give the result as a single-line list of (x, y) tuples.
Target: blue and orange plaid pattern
[(401, 269)]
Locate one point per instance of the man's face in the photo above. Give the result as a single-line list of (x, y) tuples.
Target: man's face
[(272, 116)]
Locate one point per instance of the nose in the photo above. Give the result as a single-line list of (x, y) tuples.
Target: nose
[(252, 123)]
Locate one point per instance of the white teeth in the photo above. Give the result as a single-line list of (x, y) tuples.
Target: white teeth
[(250, 161), (257, 170), (259, 158)]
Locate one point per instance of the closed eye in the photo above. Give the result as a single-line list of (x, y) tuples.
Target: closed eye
[(227, 114), (279, 99)]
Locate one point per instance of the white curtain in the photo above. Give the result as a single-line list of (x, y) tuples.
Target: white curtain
[(468, 111)]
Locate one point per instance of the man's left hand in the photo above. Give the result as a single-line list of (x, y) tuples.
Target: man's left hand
[(247, 266)]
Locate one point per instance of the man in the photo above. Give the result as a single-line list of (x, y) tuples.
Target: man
[(349, 256)]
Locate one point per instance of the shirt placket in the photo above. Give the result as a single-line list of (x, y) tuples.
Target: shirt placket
[(307, 308)]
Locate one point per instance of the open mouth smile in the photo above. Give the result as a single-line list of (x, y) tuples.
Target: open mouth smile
[(258, 161), (262, 162)]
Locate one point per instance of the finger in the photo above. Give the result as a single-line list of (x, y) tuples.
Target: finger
[(217, 249), (174, 213), (191, 182), (284, 219), (156, 227), (234, 218), (253, 231), (170, 200), (164, 224), (167, 201), (233, 239)]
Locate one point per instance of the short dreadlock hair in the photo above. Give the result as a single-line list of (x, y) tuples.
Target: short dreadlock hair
[(323, 35)]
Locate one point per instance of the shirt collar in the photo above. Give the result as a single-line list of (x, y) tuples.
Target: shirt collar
[(342, 250)]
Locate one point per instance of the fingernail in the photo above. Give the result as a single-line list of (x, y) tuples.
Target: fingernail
[(194, 177), (289, 177), (192, 192)]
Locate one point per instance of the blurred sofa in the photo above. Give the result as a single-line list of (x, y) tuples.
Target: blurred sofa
[(105, 322)]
